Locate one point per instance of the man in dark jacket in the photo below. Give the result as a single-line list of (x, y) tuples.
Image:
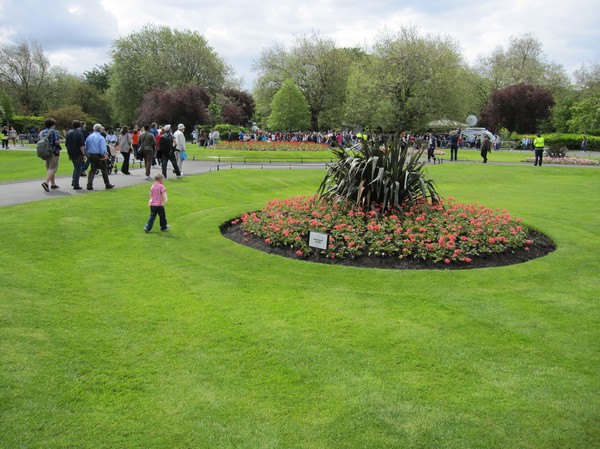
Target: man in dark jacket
[(167, 152), (75, 144)]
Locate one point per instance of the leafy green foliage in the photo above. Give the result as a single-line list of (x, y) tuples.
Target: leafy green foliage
[(159, 57), (319, 69), (98, 77), (23, 123), (408, 81), (571, 142), (389, 176), (289, 109)]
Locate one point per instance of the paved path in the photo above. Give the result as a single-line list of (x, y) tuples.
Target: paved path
[(17, 192)]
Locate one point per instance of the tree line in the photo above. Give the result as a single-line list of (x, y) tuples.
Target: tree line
[(402, 81)]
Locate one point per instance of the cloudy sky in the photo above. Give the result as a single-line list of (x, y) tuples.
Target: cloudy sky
[(77, 34)]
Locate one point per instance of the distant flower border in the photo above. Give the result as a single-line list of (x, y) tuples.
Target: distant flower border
[(446, 233), (565, 161), (260, 145)]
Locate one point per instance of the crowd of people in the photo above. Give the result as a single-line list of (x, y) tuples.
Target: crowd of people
[(97, 150), (94, 152)]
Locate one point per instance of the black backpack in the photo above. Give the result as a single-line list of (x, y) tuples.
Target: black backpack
[(165, 144)]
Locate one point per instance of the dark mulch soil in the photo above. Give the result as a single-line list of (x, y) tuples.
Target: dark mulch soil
[(541, 246)]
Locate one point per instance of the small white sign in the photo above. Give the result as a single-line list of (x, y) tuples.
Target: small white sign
[(318, 240)]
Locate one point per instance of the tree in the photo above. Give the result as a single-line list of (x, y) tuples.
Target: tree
[(185, 105), (98, 77), (24, 68), (232, 115), (289, 109), (523, 61), (364, 106), (161, 58), (92, 102), (319, 69), (519, 108), (6, 109), (586, 115), (412, 79), (238, 103)]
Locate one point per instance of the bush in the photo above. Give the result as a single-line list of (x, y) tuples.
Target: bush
[(224, 130), (388, 176), (555, 151), (23, 123), (572, 141)]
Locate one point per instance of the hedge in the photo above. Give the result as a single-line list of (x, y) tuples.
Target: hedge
[(571, 141), (224, 130), (23, 123)]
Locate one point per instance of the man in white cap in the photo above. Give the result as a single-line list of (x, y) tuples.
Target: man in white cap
[(179, 145)]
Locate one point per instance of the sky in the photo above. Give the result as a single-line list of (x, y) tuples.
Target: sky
[(77, 34)]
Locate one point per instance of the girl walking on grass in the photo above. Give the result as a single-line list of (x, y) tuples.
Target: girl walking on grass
[(158, 199)]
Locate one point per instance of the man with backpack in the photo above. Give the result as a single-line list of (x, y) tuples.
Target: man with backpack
[(167, 152), (50, 136)]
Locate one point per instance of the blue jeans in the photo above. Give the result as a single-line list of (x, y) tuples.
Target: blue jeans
[(77, 163), (160, 211)]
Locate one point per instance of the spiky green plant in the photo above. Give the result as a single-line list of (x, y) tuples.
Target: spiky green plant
[(388, 176)]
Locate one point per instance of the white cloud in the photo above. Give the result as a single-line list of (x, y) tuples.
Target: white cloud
[(79, 32)]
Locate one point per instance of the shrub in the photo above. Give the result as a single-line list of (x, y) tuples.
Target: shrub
[(23, 123), (555, 151), (224, 130), (388, 176)]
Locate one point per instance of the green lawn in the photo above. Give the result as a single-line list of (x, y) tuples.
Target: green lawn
[(113, 338), (17, 165)]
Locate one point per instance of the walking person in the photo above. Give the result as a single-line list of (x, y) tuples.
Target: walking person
[(167, 152), (453, 146), (51, 135), (86, 163), (158, 200), (431, 147), (13, 136), (147, 143), (179, 138), (584, 144), (95, 149), (538, 145), (125, 147), (486, 147), (75, 144), (135, 136), (202, 138), (5, 137)]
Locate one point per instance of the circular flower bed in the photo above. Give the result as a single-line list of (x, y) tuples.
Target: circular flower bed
[(445, 235)]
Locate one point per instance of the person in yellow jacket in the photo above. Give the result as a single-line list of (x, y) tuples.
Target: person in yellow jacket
[(538, 146)]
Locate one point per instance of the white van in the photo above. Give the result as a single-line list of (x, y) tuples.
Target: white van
[(470, 133)]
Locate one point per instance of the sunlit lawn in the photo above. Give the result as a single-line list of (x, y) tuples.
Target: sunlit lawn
[(113, 338)]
